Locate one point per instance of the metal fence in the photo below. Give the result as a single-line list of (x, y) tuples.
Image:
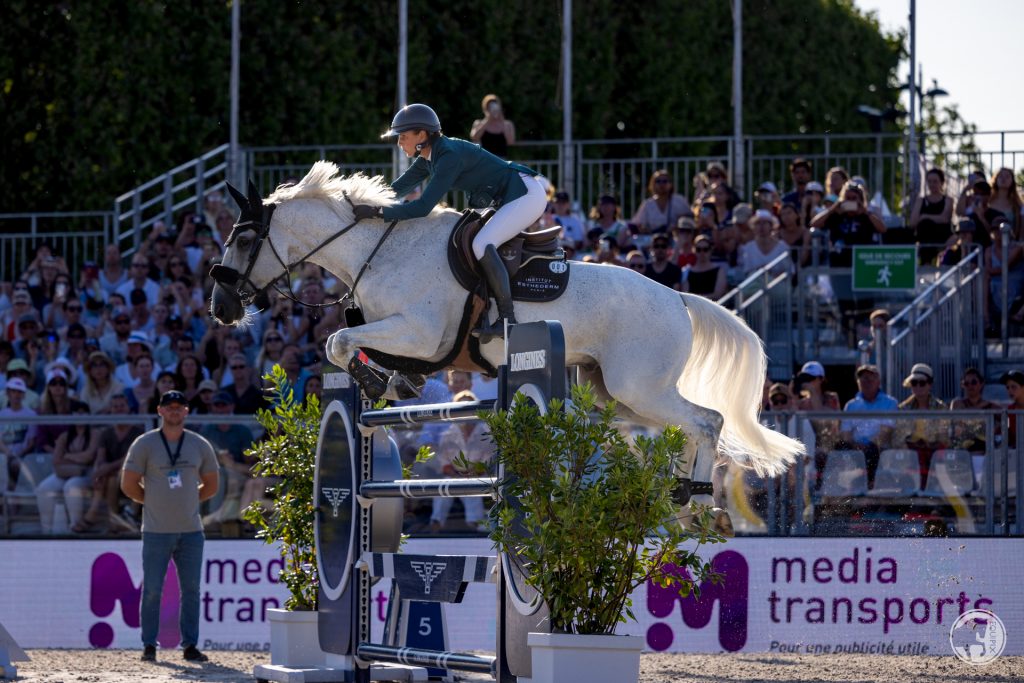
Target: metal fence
[(78, 235), (183, 188), (943, 326), (765, 302), (966, 481)]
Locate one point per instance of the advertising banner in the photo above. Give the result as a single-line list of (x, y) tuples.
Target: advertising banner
[(787, 595)]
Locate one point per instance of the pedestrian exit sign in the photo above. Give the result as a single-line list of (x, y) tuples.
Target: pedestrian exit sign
[(884, 268)]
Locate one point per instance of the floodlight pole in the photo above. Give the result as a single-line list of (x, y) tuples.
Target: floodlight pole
[(738, 150), (912, 157), (568, 179), (399, 161), (234, 161)]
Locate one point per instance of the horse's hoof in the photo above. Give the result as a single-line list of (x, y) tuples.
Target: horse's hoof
[(401, 388), (722, 522), (372, 382)]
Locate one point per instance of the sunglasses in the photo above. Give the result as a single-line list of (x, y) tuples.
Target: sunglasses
[(58, 383), (715, 175), (274, 339), (74, 308), (238, 367), (176, 263), (98, 364), (76, 336), (919, 382), (780, 400), (638, 266), (659, 246), (122, 322), (702, 249), (970, 382), (662, 180)]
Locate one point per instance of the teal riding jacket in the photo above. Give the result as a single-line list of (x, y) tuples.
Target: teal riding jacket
[(456, 164)]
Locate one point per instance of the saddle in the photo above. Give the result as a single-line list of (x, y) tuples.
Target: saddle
[(538, 272), (537, 268)]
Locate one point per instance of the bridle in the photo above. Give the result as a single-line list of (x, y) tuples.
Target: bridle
[(255, 216)]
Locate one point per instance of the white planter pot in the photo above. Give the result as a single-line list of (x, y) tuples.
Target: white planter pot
[(294, 641), (561, 657)]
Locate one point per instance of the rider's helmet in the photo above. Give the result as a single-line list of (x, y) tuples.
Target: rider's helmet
[(414, 117)]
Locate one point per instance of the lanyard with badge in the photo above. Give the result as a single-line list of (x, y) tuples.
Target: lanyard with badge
[(173, 476)]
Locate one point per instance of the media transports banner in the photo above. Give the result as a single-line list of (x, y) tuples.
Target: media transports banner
[(837, 595)]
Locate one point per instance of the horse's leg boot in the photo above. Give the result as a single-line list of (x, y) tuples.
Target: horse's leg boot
[(373, 382), (497, 279)]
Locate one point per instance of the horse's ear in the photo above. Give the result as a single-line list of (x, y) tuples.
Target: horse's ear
[(239, 198), (255, 200)]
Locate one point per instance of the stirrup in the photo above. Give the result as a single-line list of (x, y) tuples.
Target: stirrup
[(490, 331), (403, 387)]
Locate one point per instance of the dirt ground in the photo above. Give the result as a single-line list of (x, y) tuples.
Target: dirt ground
[(123, 666)]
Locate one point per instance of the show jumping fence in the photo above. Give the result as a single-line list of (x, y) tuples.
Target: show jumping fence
[(357, 528)]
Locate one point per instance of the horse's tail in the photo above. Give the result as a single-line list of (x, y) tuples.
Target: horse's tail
[(725, 372)]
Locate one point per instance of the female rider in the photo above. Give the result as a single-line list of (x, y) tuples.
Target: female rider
[(451, 163)]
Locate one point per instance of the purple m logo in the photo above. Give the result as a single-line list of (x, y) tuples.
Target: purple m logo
[(731, 595), (111, 582)]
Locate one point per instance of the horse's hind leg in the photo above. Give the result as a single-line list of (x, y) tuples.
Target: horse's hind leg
[(659, 403)]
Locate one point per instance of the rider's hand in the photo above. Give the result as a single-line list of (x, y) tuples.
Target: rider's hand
[(365, 211)]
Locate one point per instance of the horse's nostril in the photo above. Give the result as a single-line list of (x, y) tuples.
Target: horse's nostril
[(218, 311)]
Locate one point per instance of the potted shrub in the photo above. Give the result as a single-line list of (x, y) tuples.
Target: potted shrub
[(591, 513), (288, 452)]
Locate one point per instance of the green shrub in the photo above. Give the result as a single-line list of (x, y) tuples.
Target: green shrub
[(288, 452), (590, 513)]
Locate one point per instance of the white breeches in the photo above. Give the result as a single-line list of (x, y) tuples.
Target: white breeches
[(514, 217)]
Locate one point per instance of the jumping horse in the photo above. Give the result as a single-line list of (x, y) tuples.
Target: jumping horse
[(665, 357)]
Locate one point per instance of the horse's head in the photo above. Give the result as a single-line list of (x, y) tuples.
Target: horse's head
[(245, 271), (253, 262)]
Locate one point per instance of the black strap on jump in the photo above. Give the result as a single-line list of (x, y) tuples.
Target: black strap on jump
[(167, 447)]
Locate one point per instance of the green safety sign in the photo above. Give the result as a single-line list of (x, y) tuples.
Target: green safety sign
[(884, 268)]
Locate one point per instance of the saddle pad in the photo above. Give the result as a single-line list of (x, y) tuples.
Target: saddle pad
[(540, 280)]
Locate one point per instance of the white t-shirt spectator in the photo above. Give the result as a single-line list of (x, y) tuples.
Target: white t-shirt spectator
[(151, 289)]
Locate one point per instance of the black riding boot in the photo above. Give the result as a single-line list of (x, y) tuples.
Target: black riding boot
[(497, 278)]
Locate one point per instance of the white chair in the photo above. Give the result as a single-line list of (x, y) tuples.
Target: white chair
[(845, 475), (898, 474), (34, 468), (979, 472), (951, 473)]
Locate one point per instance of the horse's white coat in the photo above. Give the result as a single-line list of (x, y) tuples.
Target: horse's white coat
[(667, 358)]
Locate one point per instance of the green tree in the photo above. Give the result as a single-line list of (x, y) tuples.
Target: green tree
[(99, 97)]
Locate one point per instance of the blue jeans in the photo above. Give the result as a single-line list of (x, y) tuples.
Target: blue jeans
[(187, 552)]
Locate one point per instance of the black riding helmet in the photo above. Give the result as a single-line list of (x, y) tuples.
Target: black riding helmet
[(414, 117)]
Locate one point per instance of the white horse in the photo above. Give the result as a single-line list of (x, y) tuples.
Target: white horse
[(665, 357)]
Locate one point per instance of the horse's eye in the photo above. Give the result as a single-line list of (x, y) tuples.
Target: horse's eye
[(244, 242)]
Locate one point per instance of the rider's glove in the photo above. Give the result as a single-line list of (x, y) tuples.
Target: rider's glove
[(365, 211)]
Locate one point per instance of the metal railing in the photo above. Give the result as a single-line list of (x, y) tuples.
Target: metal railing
[(944, 326), (986, 500), (765, 302), (78, 235), (184, 187)]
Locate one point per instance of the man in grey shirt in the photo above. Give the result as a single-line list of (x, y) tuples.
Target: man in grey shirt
[(171, 470)]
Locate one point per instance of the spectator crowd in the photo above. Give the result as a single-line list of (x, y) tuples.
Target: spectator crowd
[(114, 337)]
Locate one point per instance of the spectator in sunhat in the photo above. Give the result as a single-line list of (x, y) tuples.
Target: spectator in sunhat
[(138, 344), (18, 369)]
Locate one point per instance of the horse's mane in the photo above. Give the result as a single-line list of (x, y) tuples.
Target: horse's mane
[(323, 182)]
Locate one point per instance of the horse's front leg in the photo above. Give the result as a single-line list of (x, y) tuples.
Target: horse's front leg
[(395, 336)]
